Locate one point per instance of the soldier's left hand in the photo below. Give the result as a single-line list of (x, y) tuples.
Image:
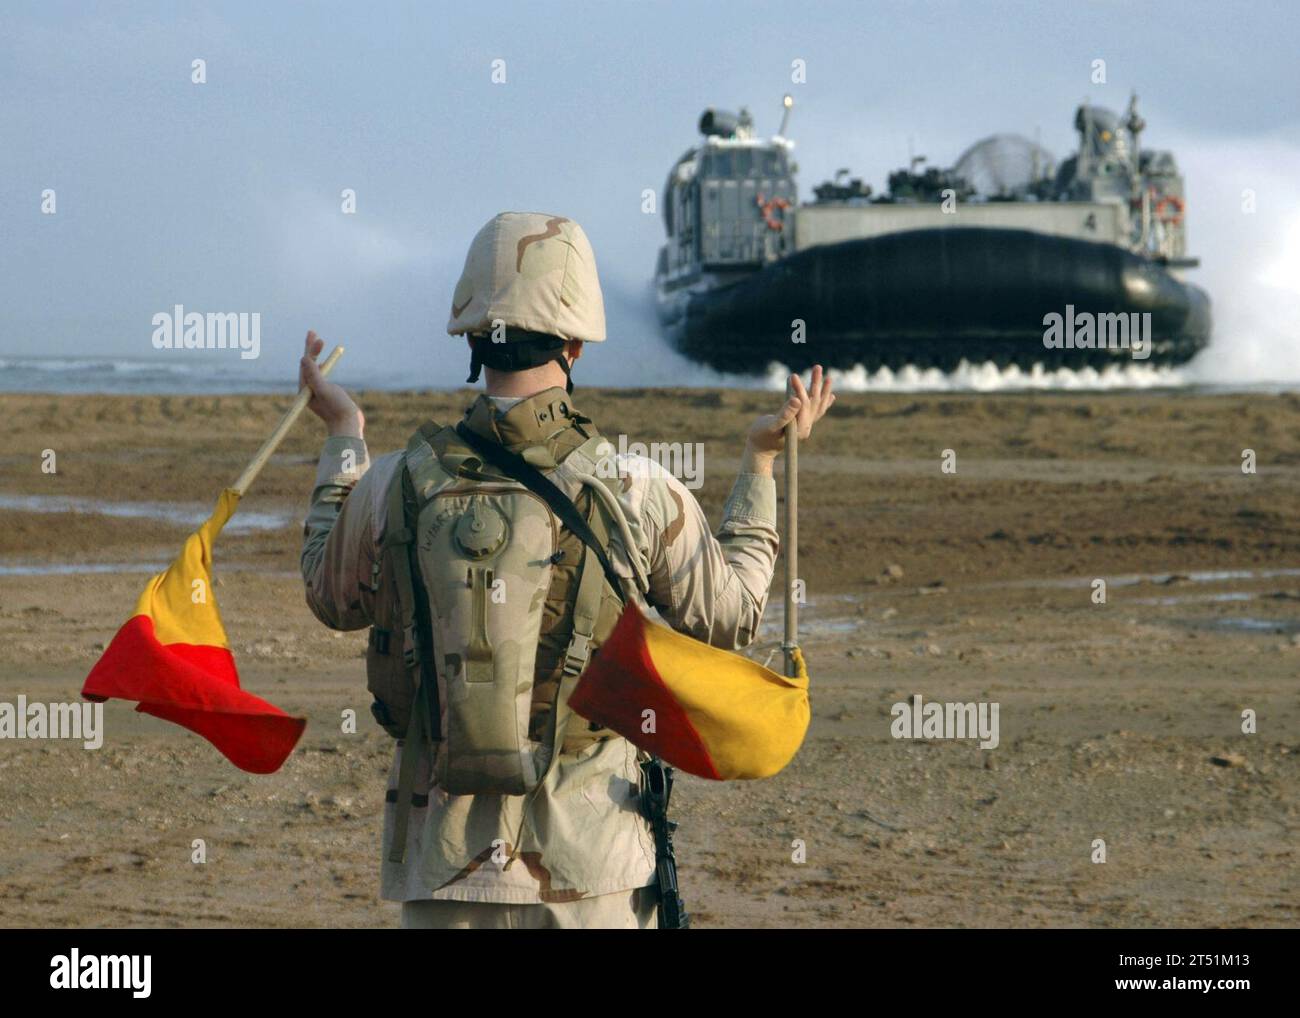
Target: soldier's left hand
[(806, 406)]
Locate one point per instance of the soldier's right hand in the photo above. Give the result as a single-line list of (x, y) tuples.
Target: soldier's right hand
[(330, 402)]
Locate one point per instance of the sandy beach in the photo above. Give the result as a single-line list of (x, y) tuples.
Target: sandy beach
[(1119, 721)]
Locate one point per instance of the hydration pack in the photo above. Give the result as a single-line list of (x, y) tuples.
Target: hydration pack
[(488, 607)]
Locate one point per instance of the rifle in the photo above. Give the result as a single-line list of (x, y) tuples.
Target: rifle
[(656, 790)]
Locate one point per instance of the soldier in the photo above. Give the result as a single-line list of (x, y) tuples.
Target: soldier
[(527, 817)]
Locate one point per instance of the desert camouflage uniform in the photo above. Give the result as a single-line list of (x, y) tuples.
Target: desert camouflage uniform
[(584, 835)]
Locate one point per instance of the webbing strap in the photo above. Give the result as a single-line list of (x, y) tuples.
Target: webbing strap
[(586, 603), (417, 645), (412, 746), (585, 610), (396, 536)]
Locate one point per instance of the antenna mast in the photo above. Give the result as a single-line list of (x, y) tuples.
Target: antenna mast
[(788, 102)]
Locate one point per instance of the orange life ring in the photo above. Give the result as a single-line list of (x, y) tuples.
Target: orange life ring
[(766, 206), (1178, 206)]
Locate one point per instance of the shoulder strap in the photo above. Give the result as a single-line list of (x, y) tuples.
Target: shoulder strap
[(517, 468), (586, 609), (425, 724)]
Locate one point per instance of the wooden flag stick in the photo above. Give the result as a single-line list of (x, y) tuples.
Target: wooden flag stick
[(286, 422), (791, 640)]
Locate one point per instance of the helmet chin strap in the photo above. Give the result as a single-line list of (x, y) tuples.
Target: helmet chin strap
[(475, 364), (568, 374), (520, 355)]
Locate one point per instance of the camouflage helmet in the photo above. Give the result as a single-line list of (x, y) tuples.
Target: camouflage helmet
[(534, 272)]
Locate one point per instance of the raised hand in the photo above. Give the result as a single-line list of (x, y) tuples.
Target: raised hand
[(330, 402), (805, 406)]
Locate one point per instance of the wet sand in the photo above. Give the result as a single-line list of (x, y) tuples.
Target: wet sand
[(1118, 721)]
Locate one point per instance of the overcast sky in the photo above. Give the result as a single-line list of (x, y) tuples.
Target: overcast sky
[(225, 196)]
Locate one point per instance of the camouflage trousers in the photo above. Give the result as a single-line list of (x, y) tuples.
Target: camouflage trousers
[(623, 910)]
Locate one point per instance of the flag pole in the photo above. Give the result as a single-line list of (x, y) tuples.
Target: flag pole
[(791, 640), (286, 422)]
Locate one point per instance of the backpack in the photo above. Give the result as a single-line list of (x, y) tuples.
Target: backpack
[(461, 586)]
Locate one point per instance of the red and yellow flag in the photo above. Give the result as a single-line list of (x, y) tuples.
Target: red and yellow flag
[(172, 656), (707, 711)]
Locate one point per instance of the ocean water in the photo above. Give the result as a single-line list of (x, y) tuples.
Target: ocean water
[(126, 376), (122, 376), (177, 514)]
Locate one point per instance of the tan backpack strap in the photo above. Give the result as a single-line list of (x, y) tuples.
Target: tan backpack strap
[(586, 609), (399, 546), (605, 492), (608, 489)]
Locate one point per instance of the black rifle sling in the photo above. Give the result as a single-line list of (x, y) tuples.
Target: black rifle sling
[(517, 468)]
